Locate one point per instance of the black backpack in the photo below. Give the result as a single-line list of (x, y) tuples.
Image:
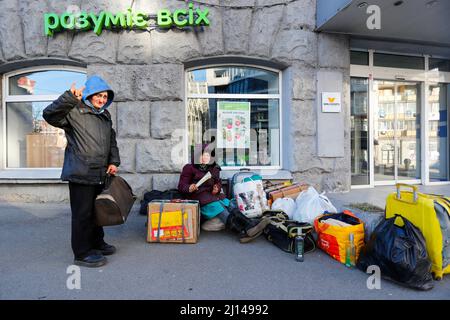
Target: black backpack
[(158, 195)]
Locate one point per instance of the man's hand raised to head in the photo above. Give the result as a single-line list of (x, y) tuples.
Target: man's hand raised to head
[(78, 93)]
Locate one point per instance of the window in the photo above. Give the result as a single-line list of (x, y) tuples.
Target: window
[(29, 141), (359, 58), (235, 109), (439, 64), (397, 61)]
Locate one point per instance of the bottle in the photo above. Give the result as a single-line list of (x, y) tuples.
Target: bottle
[(299, 248), (350, 252)]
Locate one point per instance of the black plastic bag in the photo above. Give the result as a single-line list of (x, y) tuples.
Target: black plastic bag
[(400, 253), (158, 195)]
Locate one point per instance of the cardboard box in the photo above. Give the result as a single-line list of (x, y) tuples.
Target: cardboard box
[(164, 223)]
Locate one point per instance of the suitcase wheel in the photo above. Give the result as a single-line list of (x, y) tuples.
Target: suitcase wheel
[(437, 278)]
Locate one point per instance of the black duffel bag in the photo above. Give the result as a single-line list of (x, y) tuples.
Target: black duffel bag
[(114, 203), (282, 232)]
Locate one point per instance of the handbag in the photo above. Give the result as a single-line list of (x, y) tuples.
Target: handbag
[(113, 205), (282, 232)]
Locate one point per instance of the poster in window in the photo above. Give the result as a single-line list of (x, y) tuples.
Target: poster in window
[(233, 124)]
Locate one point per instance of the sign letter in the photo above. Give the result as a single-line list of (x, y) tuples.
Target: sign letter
[(51, 23), (164, 19)]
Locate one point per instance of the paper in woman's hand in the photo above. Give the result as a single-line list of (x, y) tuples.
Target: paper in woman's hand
[(202, 180)]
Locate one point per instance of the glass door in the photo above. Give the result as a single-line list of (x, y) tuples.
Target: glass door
[(360, 159), (384, 131), (408, 131), (396, 131), (438, 119)]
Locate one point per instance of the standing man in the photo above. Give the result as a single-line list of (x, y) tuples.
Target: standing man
[(91, 153)]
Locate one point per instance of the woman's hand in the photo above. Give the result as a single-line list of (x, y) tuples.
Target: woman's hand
[(193, 188), (216, 189), (112, 169), (78, 93)]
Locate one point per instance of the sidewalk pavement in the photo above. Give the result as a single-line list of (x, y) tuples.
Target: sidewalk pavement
[(35, 256), (377, 196)]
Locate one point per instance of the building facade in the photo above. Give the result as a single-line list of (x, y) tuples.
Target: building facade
[(275, 86)]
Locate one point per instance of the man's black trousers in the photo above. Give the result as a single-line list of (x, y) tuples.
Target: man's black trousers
[(86, 235)]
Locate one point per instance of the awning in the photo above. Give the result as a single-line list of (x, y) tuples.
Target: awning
[(414, 21)]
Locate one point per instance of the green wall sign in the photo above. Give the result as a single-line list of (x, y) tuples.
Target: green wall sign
[(83, 21)]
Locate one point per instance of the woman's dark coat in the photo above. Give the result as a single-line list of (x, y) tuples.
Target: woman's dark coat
[(191, 174), (91, 140)]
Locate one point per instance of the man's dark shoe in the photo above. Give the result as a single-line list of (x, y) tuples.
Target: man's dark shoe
[(106, 249), (91, 261)]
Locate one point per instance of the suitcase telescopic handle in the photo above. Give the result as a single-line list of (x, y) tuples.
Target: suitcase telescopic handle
[(414, 191)]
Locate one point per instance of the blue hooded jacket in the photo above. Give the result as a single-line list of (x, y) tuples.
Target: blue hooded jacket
[(95, 84)]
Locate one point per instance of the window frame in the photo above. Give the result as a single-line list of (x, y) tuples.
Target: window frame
[(236, 96), (27, 173)]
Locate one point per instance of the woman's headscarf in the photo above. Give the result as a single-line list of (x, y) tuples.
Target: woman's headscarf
[(198, 151)]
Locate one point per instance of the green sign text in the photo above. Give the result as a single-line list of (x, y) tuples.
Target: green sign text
[(128, 20)]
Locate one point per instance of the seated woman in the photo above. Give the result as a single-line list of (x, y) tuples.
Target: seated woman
[(214, 206)]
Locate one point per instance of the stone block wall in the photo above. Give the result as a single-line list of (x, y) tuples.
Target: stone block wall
[(146, 71)]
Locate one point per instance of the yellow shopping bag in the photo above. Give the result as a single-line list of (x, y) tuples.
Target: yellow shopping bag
[(341, 235)]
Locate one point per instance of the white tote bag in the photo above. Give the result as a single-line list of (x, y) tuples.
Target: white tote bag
[(247, 198)]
